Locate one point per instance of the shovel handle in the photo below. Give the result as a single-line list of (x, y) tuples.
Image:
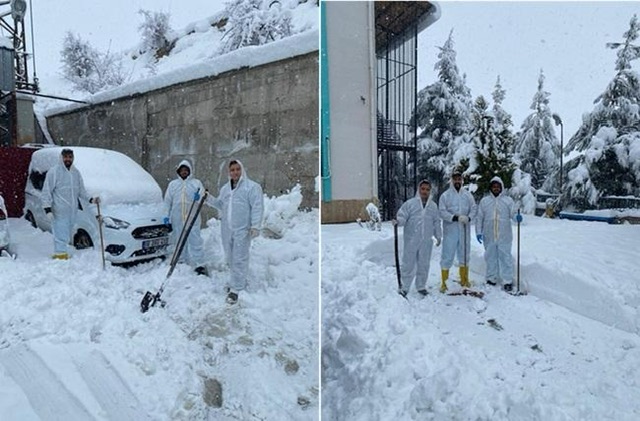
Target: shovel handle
[(395, 245)]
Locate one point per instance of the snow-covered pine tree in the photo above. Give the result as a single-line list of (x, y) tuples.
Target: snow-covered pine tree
[(503, 123), (492, 149), (442, 115), (609, 137), (155, 31), (537, 147), (254, 22), (88, 69)]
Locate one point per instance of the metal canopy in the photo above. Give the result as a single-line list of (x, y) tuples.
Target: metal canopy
[(394, 17)]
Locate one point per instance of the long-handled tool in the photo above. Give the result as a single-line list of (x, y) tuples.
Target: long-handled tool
[(174, 255), (101, 235), (150, 299), (395, 245), (518, 292)]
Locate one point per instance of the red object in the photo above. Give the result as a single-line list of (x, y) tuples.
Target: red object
[(14, 169)]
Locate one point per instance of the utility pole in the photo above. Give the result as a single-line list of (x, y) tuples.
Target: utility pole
[(17, 122), (17, 11)]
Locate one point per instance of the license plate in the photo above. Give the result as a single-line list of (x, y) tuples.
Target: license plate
[(156, 242)]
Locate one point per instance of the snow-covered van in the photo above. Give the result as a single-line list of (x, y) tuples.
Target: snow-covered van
[(131, 203)]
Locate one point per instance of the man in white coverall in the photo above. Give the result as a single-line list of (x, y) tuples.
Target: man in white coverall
[(493, 229), (421, 221), (62, 190), (181, 193), (457, 208), (240, 205)]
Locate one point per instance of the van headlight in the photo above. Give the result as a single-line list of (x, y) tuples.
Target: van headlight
[(115, 223)]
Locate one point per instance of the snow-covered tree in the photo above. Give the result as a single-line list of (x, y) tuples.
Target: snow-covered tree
[(442, 115), (78, 57), (503, 123), (254, 22), (155, 31), (537, 147), (609, 137), (522, 193), (88, 69), (492, 150)]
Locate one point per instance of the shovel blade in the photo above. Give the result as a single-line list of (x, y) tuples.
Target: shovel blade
[(148, 300)]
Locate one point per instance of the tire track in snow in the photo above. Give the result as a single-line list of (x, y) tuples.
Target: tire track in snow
[(108, 388), (48, 396)]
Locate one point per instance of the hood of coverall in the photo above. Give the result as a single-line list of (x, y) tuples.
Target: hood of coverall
[(497, 179), (185, 163), (243, 175), (418, 190)]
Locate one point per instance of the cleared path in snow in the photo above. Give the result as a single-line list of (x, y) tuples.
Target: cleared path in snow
[(48, 396), (106, 385)]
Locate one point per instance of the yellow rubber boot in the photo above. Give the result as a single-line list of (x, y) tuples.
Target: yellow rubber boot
[(445, 276), (464, 277)]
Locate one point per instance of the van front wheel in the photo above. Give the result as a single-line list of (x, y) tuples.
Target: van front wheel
[(82, 240)]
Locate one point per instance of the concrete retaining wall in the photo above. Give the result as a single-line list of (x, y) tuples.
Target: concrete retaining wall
[(265, 116)]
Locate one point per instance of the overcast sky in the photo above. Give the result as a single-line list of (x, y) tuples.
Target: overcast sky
[(105, 23), (516, 39)]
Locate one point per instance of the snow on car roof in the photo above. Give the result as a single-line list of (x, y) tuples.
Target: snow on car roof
[(113, 176)]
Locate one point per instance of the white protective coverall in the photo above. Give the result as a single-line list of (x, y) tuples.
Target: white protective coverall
[(453, 202), (420, 223), (493, 221), (61, 192), (5, 238), (241, 210), (177, 202)]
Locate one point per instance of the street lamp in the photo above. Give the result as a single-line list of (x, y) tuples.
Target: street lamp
[(558, 121)]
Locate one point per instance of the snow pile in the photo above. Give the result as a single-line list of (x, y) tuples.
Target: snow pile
[(279, 211), (569, 350), (74, 344)]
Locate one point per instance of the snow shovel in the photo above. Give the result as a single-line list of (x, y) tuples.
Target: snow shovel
[(101, 235), (395, 245), (150, 299), (518, 292)]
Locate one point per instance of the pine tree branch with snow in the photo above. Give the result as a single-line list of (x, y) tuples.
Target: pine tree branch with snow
[(255, 22), (155, 31)]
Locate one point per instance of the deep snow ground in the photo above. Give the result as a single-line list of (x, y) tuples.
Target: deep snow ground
[(569, 350), (74, 345)]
